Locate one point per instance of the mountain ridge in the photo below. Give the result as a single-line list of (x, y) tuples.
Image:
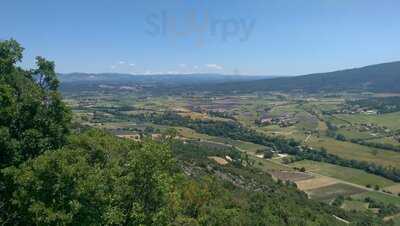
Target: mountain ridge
[(383, 77)]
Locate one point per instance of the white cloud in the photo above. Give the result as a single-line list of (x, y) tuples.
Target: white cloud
[(121, 62), (182, 65), (132, 65), (214, 66)]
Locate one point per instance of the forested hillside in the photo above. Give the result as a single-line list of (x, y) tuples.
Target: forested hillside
[(376, 78)]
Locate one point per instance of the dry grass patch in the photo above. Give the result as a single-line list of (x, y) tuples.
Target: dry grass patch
[(219, 160), (290, 175), (395, 189), (315, 183)]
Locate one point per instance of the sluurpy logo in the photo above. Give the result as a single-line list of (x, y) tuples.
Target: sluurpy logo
[(198, 26)]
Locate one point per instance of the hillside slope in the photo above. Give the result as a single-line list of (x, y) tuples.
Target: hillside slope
[(378, 78)]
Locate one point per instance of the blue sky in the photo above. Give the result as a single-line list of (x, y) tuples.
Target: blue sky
[(264, 37)]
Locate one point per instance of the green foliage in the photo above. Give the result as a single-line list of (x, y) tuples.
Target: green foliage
[(98, 179), (384, 209), (338, 201), (33, 117), (95, 180), (266, 152), (10, 53)]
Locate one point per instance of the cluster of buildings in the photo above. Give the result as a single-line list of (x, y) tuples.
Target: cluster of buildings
[(364, 127), (357, 110), (284, 120), (154, 136)]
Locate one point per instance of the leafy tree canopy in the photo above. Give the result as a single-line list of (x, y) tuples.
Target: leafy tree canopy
[(33, 117)]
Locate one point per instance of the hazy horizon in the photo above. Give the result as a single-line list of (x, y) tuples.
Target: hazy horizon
[(224, 37)]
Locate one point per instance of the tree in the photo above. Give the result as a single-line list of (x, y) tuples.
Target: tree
[(97, 179), (170, 133), (45, 74), (340, 137), (10, 53), (33, 117), (338, 201), (249, 162), (267, 153)]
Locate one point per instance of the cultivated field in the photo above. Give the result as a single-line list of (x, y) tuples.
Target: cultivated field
[(355, 176), (386, 198), (355, 205), (332, 191), (291, 175), (315, 183), (391, 120), (350, 151), (321, 181), (395, 189)]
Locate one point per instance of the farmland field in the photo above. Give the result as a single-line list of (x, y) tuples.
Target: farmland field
[(355, 205), (395, 189), (386, 140), (343, 173), (391, 120), (354, 151), (386, 198), (291, 175), (331, 191), (321, 181), (315, 183), (269, 166)]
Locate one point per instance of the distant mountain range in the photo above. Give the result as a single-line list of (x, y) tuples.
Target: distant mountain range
[(149, 83), (161, 78), (376, 78)]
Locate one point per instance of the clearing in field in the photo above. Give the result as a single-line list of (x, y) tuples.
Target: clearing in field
[(355, 176)]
